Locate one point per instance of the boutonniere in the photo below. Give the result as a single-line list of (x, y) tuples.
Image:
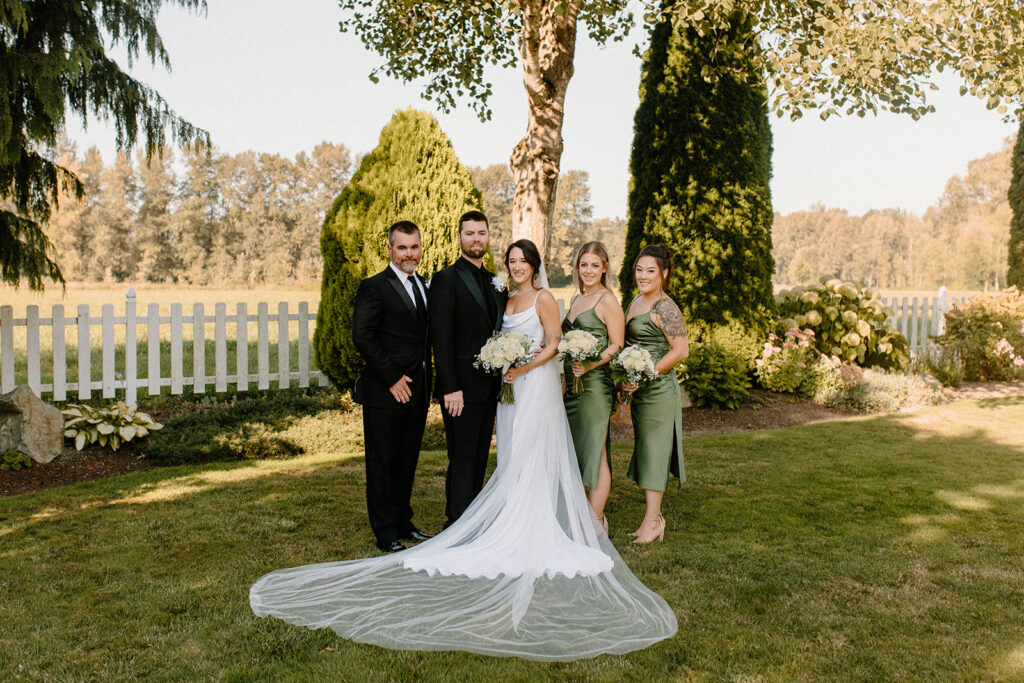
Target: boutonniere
[(426, 284), (499, 283)]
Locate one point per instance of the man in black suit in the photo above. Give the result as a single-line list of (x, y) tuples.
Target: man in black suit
[(390, 329), (466, 309)]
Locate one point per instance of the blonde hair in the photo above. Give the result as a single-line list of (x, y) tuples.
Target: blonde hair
[(597, 249)]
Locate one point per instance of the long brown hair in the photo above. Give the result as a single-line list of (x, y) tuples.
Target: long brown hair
[(597, 249)]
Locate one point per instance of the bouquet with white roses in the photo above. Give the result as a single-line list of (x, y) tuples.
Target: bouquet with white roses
[(502, 351), (579, 346), (635, 365)]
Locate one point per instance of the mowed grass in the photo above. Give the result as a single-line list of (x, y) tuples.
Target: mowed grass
[(880, 548)]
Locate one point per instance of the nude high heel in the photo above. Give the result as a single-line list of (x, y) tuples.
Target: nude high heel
[(604, 524), (658, 535)]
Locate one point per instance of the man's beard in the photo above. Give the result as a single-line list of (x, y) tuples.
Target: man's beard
[(474, 253), (407, 267)]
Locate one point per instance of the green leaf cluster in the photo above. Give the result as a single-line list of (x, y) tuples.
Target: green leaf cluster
[(848, 322), (54, 58), (701, 166), (120, 423), (714, 377), (11, 459), (414, 175), (987, 336)]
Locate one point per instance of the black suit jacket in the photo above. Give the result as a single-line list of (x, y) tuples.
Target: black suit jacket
[(388, 333), (459, 325)]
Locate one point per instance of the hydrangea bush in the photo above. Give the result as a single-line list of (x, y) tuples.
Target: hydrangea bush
[(987, 334), (848, 322)]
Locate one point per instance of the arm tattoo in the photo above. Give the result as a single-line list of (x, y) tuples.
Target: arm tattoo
[(671, 319)]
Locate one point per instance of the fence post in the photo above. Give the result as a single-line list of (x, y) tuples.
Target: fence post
[(241, 347), (283, 346), (131, 358), (84, 353), (6, 349), (262, 347), (303, 344), (32, 342), (176, 350), (198, 349), (60, 361), (944, 306), (153, 348), (108, 351), (220, 348)]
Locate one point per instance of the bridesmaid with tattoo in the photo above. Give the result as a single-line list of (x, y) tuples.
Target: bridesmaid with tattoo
[(653, 321), (595, 310)]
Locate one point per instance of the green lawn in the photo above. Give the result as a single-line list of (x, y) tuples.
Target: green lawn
[(876, 548)]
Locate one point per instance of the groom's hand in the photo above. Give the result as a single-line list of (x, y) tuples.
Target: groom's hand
[(401, 391), (453, 403)]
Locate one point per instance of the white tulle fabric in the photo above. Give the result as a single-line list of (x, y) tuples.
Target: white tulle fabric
[(525, 572)]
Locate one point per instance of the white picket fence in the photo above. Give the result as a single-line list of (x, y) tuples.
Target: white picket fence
[(920, 319), (129, 381)]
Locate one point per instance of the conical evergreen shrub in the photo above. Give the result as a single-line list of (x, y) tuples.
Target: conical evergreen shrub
[(1015, 269), (701, 165), (413, 175)]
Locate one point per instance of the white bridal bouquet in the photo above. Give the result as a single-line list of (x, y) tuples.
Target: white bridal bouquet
[(502, 351), (579, 346), (635, 365)]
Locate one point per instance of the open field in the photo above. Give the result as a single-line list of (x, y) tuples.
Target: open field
[(879, 548)]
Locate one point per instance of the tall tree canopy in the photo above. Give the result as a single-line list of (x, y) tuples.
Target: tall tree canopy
[(53, 58), (831, 55), (1015, 256), (701, 166)]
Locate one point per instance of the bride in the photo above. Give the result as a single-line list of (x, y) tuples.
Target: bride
[(526, 571)]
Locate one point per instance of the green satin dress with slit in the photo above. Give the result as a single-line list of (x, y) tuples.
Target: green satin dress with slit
[(590, 411), (657, 412)]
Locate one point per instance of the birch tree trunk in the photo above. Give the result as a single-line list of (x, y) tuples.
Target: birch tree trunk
[(547, 47)]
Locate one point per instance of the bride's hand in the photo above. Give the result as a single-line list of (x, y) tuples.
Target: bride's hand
[(511, 374)]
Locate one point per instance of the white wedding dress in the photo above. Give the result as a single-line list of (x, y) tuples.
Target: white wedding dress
[(525, 572)]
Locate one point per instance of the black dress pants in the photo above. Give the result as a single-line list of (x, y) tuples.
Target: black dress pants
[(392, 440), (469, 441)]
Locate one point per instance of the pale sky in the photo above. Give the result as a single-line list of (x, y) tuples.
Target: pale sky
[(279, 77)]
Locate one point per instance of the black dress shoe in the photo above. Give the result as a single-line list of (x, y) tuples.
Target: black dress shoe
[(415, 535), (392, 547)]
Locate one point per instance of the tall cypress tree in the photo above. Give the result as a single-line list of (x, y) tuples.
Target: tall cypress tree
[(1015, 269), (413, 175), (701, 165)]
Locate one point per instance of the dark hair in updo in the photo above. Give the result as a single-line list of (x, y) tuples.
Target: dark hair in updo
[(661, 254), (530, 253)]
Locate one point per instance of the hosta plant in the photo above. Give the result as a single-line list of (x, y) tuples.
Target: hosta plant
[(848, 323), (106, 426)]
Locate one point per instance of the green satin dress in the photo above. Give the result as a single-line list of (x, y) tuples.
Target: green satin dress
[(657, 412), (590, 412)]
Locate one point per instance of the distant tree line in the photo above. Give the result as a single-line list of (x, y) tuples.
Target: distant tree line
[(961, 242), (206, 218)]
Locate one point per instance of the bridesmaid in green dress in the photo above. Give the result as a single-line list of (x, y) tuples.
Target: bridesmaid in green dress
[(596, 310), (654, 322)]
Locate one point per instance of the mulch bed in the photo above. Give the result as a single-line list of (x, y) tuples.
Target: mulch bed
[(763, 410)]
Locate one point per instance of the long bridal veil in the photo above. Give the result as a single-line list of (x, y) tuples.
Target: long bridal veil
[(525, 572)]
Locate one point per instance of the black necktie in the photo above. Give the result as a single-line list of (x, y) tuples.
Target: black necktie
[(421, 305), (483, 279)]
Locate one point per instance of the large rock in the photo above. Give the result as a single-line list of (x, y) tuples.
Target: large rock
[(30, 425)]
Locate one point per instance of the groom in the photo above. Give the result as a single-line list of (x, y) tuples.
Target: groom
[(390, 328), (466, 309)]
